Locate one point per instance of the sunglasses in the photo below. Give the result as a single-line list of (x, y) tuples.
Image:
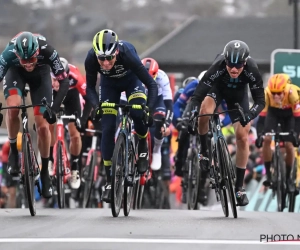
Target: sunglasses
[(234, 65), (276, 93), (106, 57), (32, 60)]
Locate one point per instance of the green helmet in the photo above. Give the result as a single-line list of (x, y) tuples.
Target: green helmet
[(26, 45)]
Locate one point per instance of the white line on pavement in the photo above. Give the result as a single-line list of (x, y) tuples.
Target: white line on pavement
[(154, 241)]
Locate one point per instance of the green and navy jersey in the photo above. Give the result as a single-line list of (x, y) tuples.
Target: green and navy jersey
[(47, 56)]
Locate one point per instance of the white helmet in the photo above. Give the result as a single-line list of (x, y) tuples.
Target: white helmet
[(201, 75)]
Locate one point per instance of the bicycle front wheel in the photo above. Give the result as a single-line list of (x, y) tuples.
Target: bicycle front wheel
[(292, 193), (117, 172), (60, 176), (280, 187), (226, 164), (128, 189), (89, 179), (29, 172), (193, 181)]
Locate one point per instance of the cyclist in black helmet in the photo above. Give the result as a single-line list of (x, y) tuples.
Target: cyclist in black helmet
[(228, 78), (26, 59)]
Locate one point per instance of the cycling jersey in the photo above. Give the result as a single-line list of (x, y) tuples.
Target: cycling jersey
[(287, 113), (77, 80), (218, 82), (39, 79), (289, 101), (177, 94), (47, 56), (127, 63), (182, 100), (164, 90)]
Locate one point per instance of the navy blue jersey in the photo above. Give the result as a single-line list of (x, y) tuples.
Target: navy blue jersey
[(127, 62)]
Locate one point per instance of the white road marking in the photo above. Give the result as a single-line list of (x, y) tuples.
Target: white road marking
[(146, 241)]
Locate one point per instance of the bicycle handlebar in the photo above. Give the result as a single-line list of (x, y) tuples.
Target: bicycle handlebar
[(239, 108)]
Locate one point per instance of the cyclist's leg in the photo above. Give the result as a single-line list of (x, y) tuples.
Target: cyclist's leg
[(13, 85), (40, 86), (242, 153), (166, 168), (158, 115), (135, 93), (271, 122), (109, 93), (72, 105), (53, 139), (208, 106)]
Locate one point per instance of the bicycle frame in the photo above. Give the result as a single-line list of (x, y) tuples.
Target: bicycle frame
[(92, 150), (60, 131)]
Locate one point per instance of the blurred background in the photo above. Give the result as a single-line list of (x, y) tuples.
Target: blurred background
[(183, 36)]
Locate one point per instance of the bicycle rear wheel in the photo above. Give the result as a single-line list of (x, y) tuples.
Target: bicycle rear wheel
[(117, 178), (89, 179), (226, 165), (128, 189), (193, 181), (60, 176), (28, 158)]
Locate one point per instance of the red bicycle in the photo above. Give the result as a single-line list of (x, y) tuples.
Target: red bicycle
[(143, 179), (61, 165)]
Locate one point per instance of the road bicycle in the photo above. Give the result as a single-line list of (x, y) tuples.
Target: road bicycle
[(123, 169)]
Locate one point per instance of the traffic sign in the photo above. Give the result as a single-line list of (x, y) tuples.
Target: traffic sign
[(286, 61)]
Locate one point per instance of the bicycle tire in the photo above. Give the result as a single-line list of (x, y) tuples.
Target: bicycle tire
[(117, 178), (89, 180), (220, 192), (128, 190), (140, 196), (60, 176), (280, 189), (193, 181), (292, 195), (227, 165), (29, 174), (136, 194)]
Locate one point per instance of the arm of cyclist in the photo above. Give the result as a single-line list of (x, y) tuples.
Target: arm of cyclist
[(257, 91), (78, 79), (295, 102), (182, 100), (133, 62), (61, 75), (91, 98), (261, 122)]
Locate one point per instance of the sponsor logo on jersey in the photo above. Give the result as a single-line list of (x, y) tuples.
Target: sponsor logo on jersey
[(53, 56), (57, 66)]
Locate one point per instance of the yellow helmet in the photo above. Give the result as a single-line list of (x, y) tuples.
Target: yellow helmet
[(278, 82), (105, 42)]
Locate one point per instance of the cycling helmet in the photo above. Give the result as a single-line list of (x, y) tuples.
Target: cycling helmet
[(188, 80), (105, 42), (26, 46), (278, 82), (236, 52), (151, 65), (65, 64), (201, 74)]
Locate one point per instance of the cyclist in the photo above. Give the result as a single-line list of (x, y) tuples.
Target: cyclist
[(181, 89), (26, 59), (121, 70), (77, 87), (163, 109), (181, 109), (282, 106), (227, 79)]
